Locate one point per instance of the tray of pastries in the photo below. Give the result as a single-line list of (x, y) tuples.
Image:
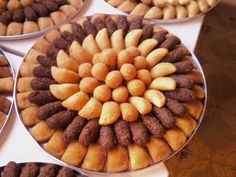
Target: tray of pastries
[(6, 89), (165, 11), (20, 19), (110, 93), (37, 169)]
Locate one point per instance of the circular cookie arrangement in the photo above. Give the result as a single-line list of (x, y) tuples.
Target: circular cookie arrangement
[(6, 88), (110, 93), (32, 169), (163, 9), (19, 17)]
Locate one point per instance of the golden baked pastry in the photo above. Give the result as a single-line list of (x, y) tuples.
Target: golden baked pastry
[(20, 17), (163, 9), (111, 93)]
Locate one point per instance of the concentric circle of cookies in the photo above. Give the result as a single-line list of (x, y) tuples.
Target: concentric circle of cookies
[(38, 169), (18, 17), (164, 9), (110, 93), (6, 89)]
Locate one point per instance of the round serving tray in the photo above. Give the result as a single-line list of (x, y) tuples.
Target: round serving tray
[(172, 21), (40, 164), (8, 95), (41, 32), (197, 65)]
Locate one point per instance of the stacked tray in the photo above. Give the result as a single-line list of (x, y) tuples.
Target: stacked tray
[(165, 11), (30, 18), (110, 94), (6, 89)]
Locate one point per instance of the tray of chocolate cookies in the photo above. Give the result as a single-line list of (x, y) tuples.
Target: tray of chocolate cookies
[(6, 89), (20, 19), (37, 169), (165, 11), (110, 94)]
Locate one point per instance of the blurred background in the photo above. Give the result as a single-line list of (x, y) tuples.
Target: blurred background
[(212, 151)]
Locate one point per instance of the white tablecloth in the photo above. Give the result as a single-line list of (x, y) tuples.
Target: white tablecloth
[(17, 144)]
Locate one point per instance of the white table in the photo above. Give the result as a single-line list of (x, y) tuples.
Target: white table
[(17, 144)]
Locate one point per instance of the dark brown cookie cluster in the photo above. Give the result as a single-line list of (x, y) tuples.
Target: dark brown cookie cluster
[(13, 169), (30, 12)]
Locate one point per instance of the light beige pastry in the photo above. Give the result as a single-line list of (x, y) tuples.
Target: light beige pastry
[(6, 84), (64, 91), (22, 100), (92, 109), (175, 138), (24, 84)]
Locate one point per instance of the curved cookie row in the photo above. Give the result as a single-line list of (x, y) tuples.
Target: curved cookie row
[(163, 9)]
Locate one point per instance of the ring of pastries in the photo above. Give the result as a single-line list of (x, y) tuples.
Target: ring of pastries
[(163, 9), (110, 93), (19, 17), (33, 169), (6, 89)]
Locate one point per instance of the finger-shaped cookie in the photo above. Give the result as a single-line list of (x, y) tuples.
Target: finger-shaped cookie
[(32, 56), (5, 72), (22, 100), (203, 6), (24, 84)]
